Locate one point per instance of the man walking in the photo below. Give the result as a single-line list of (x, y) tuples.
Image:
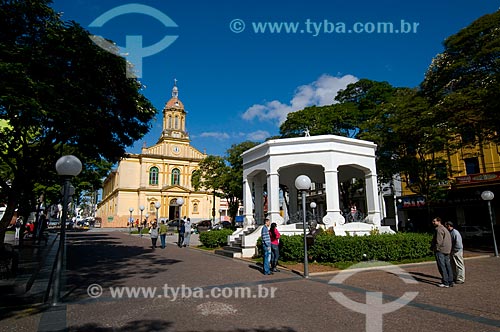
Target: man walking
[(266, 246), (457, 254), (441, 245), (163, 234)]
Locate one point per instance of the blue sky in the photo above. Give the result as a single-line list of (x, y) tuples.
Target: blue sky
[(239, 85)]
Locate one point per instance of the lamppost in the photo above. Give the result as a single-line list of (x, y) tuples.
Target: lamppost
[(313, 207), (130, 220), (220, 216), (147, 216), (488, 196), (303, 184), (141, 208), (180, 201), (67, 166), (157, 206)]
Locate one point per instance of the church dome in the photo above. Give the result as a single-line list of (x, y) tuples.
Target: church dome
[(174, 102)]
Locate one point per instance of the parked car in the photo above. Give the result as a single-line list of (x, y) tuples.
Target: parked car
[(469, 231), (224, 224), (173, 224), (204, 225)]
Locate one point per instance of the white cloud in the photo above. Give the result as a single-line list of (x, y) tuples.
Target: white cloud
[(259, 135), (320, 92), (216, 135)]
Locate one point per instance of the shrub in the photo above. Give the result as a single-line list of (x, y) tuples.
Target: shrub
[(383, 247), (328, 248), (215, 239)]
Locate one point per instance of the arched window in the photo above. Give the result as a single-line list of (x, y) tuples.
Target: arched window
[(153, 176), (169, 122), (176, 122), (195, 207), (176, 177)]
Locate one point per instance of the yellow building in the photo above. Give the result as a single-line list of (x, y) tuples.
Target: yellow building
[(150, 183), (472, 169)]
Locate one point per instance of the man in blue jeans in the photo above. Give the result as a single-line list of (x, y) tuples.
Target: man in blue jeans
[(163, 234), (266, 246), (441, 245)]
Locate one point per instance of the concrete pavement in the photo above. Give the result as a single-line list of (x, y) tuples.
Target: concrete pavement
[(186, 289)]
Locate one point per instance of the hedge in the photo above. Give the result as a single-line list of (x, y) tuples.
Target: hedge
[(215, 238), (328, 248)]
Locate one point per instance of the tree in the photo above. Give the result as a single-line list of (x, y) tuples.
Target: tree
[(233, 184), (60, 94), (365, 95), (412, 141), (337, 119), (224, 176), (210, 176), (464, 80)]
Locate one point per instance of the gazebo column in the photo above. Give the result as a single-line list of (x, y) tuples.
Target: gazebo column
[(248, 203), (273, 201), (333, 215), (373, 213), (292, 200), (259, 201)]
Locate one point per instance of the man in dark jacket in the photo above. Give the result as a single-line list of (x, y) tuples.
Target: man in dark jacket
[(441, 245)]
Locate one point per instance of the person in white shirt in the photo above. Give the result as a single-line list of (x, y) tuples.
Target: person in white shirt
[(187, 232)]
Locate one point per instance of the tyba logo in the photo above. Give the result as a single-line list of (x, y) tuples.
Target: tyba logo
[(133, 50), (374, 308)]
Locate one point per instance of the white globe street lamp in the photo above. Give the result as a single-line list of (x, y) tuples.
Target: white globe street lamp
[(488, 197), (67, 166), (141, 208), (157, 206), (130, 221), (303, 184), (313, 207), (180, 201)]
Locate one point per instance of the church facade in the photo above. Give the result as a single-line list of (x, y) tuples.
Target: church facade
[(150, 185)]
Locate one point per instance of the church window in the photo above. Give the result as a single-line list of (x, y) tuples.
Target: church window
[(176, 176), (195, 207), (176, 122), (169, 122), (153, 176)]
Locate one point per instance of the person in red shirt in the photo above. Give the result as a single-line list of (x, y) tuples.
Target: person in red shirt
[(275, 249)]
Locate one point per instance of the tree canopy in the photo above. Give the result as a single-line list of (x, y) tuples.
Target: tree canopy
[(224, 176), (464, 80), (60, 94)]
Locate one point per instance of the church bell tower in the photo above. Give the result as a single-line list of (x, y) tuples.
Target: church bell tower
[(174, 119)]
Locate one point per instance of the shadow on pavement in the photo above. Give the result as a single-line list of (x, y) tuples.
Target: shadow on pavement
[(158, 325), (104, 260), (424, 278)]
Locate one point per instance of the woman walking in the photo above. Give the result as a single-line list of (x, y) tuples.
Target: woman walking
[(153, 233), (275, 249)]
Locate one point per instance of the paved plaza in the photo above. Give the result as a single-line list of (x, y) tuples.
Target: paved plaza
[(117, 282)]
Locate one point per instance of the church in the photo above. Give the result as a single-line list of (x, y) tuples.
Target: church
[(152, 184)]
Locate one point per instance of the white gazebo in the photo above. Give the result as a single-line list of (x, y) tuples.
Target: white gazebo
[(327, 160)]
